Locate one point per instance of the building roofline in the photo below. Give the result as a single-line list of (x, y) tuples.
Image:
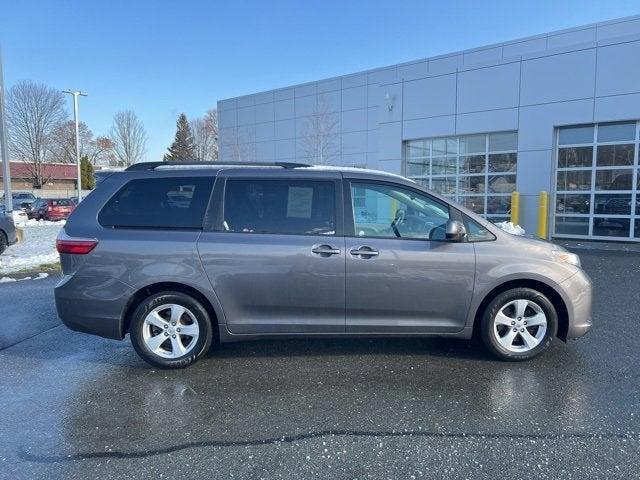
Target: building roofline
[(516, 41)]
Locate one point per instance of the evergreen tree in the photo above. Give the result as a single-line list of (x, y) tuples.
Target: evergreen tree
[(86, 174), (182, 148)]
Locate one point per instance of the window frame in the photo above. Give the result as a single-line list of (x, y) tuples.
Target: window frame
[(430, 179), (632, 234), (216, 218), (186, 176), (349, 221)]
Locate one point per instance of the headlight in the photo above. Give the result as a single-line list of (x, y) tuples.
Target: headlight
[(566, 257)]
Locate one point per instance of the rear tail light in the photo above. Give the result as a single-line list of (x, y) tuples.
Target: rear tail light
[(75, 247)]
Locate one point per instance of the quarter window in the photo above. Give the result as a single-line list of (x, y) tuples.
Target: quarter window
[(476, 232), (381, 210), (164, 203), (478, 171), (281, 207)]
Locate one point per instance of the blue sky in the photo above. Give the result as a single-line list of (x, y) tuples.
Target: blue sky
[(160, 58)]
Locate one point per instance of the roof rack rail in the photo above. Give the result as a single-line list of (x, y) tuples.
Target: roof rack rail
[(154, 165)]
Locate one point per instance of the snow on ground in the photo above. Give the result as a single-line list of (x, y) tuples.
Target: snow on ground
[(37, 248), (40, 276)]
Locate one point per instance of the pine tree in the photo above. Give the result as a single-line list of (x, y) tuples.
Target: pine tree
[(86, 174), (182, 148)]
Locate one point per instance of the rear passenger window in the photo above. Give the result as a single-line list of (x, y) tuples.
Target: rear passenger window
[(159, 203), (275, 206)]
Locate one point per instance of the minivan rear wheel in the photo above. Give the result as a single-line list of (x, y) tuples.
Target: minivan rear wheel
[(519, 324), (170, 330)]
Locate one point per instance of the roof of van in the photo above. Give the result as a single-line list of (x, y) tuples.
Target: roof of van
[(285, 165)]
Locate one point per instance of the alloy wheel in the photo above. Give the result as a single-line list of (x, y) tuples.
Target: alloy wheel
[(170, 330), (520, 325)]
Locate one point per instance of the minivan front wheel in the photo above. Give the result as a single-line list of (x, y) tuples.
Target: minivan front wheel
[(170, 330), (519, 324)]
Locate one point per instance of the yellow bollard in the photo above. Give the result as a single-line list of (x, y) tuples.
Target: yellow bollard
[(543, 214), (515, 208)]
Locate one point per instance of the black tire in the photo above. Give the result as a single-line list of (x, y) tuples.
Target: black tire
[(137, 326), (495, 306), (4, 243)]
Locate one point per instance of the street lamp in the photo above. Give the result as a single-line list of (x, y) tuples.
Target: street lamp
[(4, 152), (77, 94)]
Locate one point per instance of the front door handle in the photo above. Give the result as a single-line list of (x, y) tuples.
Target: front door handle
[(364, 252), (325, 250)]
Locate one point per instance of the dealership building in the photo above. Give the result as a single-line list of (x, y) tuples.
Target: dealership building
[(557, 112)]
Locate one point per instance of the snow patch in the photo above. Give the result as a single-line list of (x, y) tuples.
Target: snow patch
[(21, 221), (509, 227), (40, 276), (37, 248)]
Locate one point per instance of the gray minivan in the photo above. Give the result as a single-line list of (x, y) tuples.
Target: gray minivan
[(183, 255)]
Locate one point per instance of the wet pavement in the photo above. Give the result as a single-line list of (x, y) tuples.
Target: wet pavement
[(76, 406)]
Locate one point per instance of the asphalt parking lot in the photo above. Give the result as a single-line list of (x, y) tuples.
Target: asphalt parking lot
[(76, 406)]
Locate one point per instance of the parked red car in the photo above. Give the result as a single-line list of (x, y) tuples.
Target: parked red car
[(51, 209)]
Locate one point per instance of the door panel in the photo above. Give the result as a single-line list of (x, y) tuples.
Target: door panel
[(410, 286), (402, 276), (275, 253), (275, 283)]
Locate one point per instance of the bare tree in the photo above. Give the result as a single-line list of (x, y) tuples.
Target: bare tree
[(238, 149), (236, 146), (129, 138), (98, 150), (319, 135), (33, 112), (102, 152), (205, 136), (63, 141)]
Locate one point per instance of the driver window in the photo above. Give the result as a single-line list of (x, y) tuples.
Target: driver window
[(390, 211)]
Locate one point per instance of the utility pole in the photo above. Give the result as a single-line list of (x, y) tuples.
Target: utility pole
[(77, 94), (6, 170)]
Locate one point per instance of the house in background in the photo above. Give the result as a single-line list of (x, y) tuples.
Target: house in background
[(59, 178), (557, 112)]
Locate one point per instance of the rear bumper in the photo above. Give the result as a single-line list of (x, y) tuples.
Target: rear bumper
[(578, 293), (92, 305)]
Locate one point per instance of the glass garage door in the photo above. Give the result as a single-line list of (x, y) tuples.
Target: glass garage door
[(478, 171), (597, 182)]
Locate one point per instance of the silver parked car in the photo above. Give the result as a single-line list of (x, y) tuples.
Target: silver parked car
[(180, 256)]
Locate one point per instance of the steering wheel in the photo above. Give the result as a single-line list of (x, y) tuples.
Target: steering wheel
[(397, 220), (417, 224)]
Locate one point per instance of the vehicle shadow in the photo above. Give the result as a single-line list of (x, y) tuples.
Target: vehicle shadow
[(438, 347), (64, 345)]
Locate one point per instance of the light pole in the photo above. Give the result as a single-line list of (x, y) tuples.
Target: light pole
[(77, 94), (6, 170)]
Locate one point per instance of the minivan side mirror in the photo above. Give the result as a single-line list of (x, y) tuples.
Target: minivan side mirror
[(455, 231)]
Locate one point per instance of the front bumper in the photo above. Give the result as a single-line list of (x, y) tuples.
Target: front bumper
[(578, 294), (94, 305)]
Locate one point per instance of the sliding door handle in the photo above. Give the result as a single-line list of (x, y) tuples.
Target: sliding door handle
[(364, 252), (325, 250)]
